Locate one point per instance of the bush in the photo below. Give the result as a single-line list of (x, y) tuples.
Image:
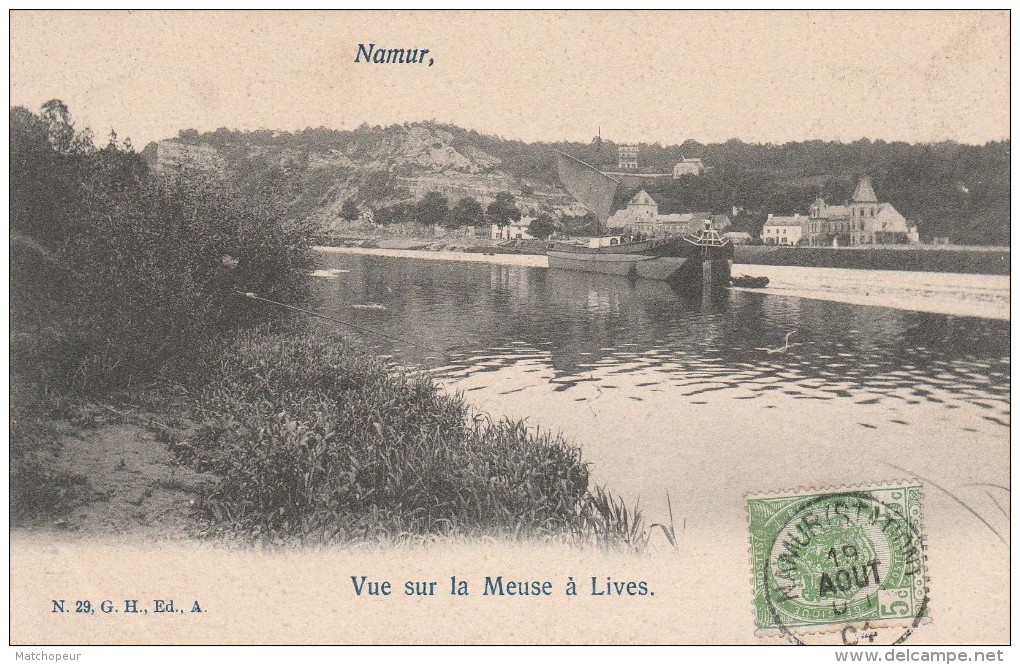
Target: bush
[(138, 272), (313, 439), (119, 277), (158, 271)]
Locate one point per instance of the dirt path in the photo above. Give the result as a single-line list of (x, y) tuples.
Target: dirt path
[(134, 486)]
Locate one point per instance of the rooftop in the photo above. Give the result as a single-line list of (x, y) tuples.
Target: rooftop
[(780, 220), (837, 212), (642, 198), (865, 193)]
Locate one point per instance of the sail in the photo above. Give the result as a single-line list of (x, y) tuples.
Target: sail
[(592, 188)]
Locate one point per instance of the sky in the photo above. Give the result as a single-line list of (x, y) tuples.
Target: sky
[(636, 76)]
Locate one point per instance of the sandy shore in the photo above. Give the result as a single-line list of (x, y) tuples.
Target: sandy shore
[(527, 260), (983, 296)]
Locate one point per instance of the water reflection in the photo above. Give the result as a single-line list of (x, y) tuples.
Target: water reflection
[(565, 329)]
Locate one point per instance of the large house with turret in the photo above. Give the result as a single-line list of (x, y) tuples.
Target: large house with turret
[(862, 221)]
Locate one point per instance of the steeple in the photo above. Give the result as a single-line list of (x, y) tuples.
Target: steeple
[(864, 193)]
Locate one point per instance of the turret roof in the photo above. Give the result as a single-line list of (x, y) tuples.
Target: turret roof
[(864, 192)]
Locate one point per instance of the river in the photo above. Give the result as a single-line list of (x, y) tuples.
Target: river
[(679, 395)]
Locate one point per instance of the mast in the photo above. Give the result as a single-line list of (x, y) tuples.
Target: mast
[(590, 187)]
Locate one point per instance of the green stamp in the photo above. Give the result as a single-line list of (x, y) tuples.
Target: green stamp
[(828, 560)]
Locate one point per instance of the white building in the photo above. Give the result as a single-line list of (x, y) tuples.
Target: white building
[(513, 231), (779, 230), (627, 156), (688, 166)]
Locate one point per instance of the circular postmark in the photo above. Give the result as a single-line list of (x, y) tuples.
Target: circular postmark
[(847, 567)]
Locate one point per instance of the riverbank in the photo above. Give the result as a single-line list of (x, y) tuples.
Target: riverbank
[(526, 260), (984, 296), (907, 258), (957, 259), (301, 437)]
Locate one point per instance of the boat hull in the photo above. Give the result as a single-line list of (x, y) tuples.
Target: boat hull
[(632, 265), (676, 262)]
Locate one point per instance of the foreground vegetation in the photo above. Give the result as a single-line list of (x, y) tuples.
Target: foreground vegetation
[(119, 281), (313, 439), (126, 287)]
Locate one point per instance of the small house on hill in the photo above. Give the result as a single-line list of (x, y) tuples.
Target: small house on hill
[(517, 230), (688, 166)]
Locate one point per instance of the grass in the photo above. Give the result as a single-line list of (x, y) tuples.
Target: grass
[(36, 489), (315, 441)]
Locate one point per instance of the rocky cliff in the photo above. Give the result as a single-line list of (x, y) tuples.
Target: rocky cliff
[(315, 172)]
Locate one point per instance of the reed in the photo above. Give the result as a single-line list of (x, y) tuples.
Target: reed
[(314, 440)]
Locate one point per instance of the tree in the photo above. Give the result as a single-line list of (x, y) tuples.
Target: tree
[(432, 208), (466, 212), (60, 127), (585, 225), (349, 211), (39, 179), (503, 210), (398, 212), (752, 222), (542, 226)]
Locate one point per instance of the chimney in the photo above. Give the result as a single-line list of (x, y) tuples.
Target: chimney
[(770, 215)]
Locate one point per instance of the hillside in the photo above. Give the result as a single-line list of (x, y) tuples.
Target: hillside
[(947, 189), (316, 171)]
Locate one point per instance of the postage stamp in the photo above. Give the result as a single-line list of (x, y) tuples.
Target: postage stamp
[(824, 560)]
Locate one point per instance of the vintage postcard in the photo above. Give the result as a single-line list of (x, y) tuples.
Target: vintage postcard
[(509, 328)]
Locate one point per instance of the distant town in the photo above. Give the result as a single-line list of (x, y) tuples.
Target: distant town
[(431, 180), (861, 221)]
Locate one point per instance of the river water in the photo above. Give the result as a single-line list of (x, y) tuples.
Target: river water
[(679, 394), (663, 390)]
